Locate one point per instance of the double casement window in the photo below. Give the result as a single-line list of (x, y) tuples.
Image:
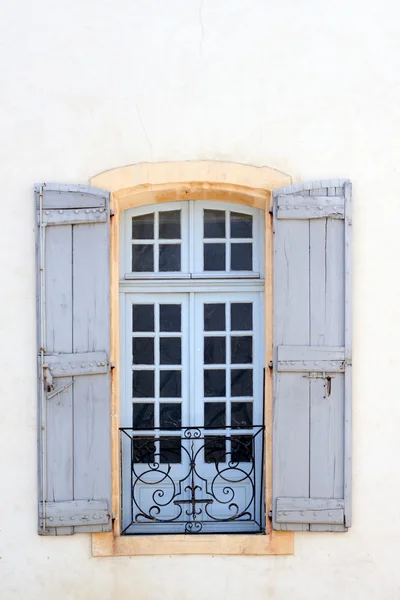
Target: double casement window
[(192, 334), (191, 375)]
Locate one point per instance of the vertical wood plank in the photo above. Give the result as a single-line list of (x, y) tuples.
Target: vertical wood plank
[(326, 329), (291, 390), (348, 354), (59, 446), (91, 332)]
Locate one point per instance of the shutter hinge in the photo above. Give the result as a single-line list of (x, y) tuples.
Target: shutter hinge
[(270, 514), (112, 213), (270, 364)]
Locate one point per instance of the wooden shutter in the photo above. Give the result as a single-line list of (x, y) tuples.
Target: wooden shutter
[(312, 357), (73, 225)]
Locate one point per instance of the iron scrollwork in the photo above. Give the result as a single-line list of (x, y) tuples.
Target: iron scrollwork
[(195, 481)]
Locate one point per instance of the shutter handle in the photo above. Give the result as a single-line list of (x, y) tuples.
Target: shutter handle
[(48, 379)]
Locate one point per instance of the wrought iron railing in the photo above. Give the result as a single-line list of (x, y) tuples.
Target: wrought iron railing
[(192, 480)]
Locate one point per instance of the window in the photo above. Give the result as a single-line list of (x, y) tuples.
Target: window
[(193, 346), (184, 379)]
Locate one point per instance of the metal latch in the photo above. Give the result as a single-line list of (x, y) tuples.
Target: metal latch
[(322, 375), (48, 379)]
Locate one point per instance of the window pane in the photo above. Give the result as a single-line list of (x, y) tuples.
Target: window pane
[(170, 317), (214, 223), (214, 350), (170, 450), (169, 258), (170, 416), (242, 414), (242, 448), (214, 449), (241, 225), (170, 351), (143, 227), (170, 384), (143, 351), (214, 257), (214, 415), (143, 384), (143, 450), (241, 349), (143, 317), (242, 316), (214, 317), (241, 257), (241, 382), (214, 383), (142, 258), (169, 225), (142, 415)]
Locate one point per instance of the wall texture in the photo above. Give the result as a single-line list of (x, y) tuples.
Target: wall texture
[(310, 88)]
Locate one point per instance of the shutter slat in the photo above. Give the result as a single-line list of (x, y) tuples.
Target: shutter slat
[(311, 437), (91, 332), (75, 316)]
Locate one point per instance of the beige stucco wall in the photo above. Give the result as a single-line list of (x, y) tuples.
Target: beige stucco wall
[(310, 88)]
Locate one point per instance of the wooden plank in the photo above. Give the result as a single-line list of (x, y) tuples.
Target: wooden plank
[(77, 512), (291, 439), (291, 390), (91, 333), (74, 216), (78, 363), (58, 338), (310, 358), (348, 352), (326, 328), (62, 196)]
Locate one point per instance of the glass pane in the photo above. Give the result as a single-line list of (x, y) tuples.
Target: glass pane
[(241, 257), (143, 351), (241, 225), (170, 317), (169, 258), (143, 384), (214, 317), (170, 351), (214, 383), (214, 223), (241, 349), (143, 317), (241, 382), (142, 415), (143, 227), (142, 258), (170, 416), (242, 414), (214, 350), (214, 257), (214, 449), (169, 225), (170, 384), (242, 316), (143, 450), (214, 415), (170, 450), (242, 448)]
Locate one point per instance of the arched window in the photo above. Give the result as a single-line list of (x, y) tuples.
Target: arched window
[(192, 343)]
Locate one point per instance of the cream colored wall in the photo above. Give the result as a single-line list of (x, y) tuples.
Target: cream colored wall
[(310, 88)]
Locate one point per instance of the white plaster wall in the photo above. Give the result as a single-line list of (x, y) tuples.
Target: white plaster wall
[(310, 87)]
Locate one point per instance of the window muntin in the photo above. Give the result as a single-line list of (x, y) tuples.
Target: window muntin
[(193, 239)]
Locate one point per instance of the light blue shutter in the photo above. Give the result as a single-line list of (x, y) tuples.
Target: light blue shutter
[(312, 357), (73, 291)]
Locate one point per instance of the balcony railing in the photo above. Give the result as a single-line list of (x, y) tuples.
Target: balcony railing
[(193, 480)]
